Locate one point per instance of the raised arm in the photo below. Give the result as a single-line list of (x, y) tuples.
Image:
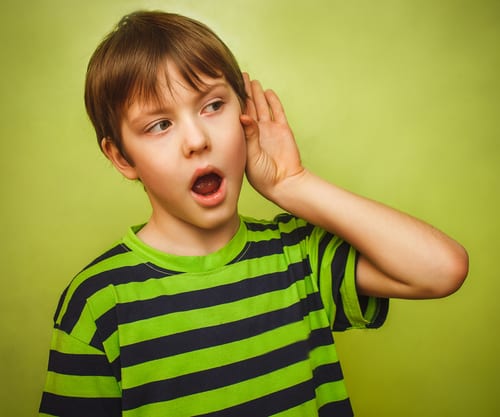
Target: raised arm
[(400, 256)]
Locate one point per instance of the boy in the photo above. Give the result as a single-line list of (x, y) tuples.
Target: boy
[(201, 311)]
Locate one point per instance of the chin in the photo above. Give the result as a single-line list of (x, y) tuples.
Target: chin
[(218, 221)]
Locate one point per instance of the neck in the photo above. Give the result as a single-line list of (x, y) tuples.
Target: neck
[(184, 239)]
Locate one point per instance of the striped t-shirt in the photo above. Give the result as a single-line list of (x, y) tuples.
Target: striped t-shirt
[(245, 331)]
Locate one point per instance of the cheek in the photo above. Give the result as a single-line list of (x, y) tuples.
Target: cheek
[(232, 142), (238, 147), (156, 171)]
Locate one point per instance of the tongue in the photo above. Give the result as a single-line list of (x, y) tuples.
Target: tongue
[(207, 184)]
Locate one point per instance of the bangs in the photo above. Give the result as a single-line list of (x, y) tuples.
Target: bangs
[(148, 86), (189, 45)]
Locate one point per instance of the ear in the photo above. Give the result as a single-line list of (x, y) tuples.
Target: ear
[(116, 157)]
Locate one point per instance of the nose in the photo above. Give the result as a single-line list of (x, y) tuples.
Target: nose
[(195, 138)]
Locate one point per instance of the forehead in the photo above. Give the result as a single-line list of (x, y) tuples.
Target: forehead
[(170, 83)]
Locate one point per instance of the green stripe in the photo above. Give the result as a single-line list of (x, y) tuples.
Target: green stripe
[(324, 355), (85, 327), (349, 293), (64, 343), (82, 386), (309, 409), (330, 390), (112, 346)]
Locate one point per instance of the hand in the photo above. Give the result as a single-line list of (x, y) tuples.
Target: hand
[(272, 154)]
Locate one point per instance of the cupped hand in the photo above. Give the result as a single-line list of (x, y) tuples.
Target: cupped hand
[(272, 154)]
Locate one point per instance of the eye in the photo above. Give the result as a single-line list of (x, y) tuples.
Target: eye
[(159, 127), (214, 106)]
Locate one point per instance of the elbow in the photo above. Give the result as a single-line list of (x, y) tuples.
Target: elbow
[(452, 273)]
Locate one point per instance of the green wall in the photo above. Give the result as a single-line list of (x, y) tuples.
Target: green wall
[(396, 100)]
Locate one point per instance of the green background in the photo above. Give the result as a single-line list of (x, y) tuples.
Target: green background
[(395, 100)]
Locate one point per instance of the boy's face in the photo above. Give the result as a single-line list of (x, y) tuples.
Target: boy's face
[(189, 152)]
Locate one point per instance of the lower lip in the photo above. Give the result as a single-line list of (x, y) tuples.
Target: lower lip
[(211, 200)]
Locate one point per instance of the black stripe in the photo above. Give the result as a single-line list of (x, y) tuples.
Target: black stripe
[(96, 340), (84, 365), (215, 378), (116, 250), (260, 227), (312, 302), (296, 236), (282, 218), (269, 404), (116, 367), (123, 275), (341, 322), (327, 373), (338, 268), (263, 248), (323, 244), (320, 337), (60, 406), (192, 340), (59, 307), (167, 304), (338, 409), (381, 314), (106, 325)]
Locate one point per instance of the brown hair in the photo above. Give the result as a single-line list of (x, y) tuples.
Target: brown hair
[(125, 66)]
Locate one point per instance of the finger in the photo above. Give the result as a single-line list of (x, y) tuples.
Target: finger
[(277, 110), (260, 101), (250, 109), (246, 81), (249, 104)]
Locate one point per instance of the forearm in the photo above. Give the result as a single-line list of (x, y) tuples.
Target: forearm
[(401, 256)]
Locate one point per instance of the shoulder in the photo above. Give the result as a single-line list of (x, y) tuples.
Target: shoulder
[(94, 284)]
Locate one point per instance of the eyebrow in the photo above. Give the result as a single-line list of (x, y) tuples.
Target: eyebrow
[(150, 109)]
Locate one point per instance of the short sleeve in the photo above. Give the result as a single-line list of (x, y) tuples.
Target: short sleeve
[(333, 262), (80, 380)]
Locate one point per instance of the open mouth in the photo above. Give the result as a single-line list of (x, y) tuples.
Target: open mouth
[(207, 184)]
